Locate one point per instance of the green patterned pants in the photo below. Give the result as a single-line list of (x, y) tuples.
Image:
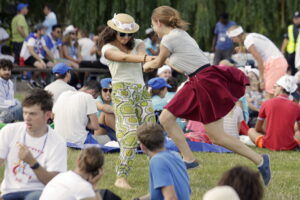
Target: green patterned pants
[(132, 106)]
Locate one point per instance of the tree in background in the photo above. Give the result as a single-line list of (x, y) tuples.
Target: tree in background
[(269, 17)]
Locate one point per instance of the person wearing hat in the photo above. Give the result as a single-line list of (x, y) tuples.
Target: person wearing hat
[(281, 114), (62, 75), (70, 47), (271, 63), (131, 101), (291, 41), (158, 90), (208, 95), (20, 30), (151, 42), (164, 72), (105, 114)]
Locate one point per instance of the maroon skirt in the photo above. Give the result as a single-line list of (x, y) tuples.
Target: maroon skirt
[(209, 95)]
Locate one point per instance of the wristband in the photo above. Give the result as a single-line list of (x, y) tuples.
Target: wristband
[(35, 166), (145, 56)]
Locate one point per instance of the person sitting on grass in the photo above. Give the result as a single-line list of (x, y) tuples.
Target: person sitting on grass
[(75, 112), (244, 181), (158, 90), (10, 108), (106, 116), (281, 115), (168, 173), (32, 152), (62, 75), (86, 175)]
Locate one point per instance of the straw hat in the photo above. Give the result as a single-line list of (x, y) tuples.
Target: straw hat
[(123, 23)]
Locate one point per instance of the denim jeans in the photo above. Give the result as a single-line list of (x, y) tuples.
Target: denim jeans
[(26, 195)]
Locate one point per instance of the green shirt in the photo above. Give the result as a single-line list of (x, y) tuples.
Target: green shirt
[(19, 20)]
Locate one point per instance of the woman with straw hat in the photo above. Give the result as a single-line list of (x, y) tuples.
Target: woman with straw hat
[(131, 101)]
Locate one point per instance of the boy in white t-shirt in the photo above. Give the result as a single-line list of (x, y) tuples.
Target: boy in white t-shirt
[(31, 152)]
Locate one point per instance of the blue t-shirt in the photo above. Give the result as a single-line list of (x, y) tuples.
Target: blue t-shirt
[(223, 41), (166, 169), (158, 103), (149, 45)]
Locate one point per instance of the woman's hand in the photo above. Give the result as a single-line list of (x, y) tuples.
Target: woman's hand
[(150, 58), (148, 66)]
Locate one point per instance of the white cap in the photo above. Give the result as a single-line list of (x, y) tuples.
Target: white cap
[(69, 29), (221, 193), (163, 68), (235, 32), (289, 83), (148, 31), (254, 70)]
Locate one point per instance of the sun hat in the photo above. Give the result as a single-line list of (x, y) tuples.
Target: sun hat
[(20, 6), (123, 23), (69, 29), (235, 32), (61, 68), (105, 83), (224, 192), (289, 83), (158, 83), (163, 68)]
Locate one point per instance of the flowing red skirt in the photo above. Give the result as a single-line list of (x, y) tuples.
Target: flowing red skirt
[(209, 95)]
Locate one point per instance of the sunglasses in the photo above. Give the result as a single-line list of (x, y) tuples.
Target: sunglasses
[(106, 90), (125, 34)]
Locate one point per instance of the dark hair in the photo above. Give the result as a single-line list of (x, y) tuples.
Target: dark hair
[(91, 159), (39, 97), (92, 85), (169, 17), (151, 135), (60, 76), (244, 181), (5, 50), (5, 63), (100, 29), (84, 33), (174, 83), (49, 6), (55, 27), (224, 16), (154, 92), (108, 35)]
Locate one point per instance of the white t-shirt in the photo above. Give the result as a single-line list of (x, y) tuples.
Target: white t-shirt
[(68, 186), (186, 56), (124, 71), (32, 42), (86, 46), (265, 47), (50, 151), (71, 112), (57, 87), (231, 121)]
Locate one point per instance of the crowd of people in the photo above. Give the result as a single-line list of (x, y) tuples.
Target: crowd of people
[(225, 104)]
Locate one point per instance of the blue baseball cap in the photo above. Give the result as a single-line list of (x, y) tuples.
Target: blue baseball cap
[(158, 83), (20, 6), (105, 83), (61, 68)]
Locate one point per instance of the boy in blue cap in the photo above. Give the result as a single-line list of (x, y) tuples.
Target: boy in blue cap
[(158, 92), (63, 76)]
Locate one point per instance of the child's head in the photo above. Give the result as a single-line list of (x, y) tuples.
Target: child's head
[(173, 83), (151, 137), (164, 72), (285, 85), (158, 87), (91, 160), (167, 16), (245, 181)]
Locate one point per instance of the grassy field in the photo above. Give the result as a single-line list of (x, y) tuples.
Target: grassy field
[(285, 184)]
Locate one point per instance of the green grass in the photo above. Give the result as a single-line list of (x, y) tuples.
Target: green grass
[(285, 184)]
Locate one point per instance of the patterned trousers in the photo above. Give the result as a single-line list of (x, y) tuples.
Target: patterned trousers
[(132, 106)]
